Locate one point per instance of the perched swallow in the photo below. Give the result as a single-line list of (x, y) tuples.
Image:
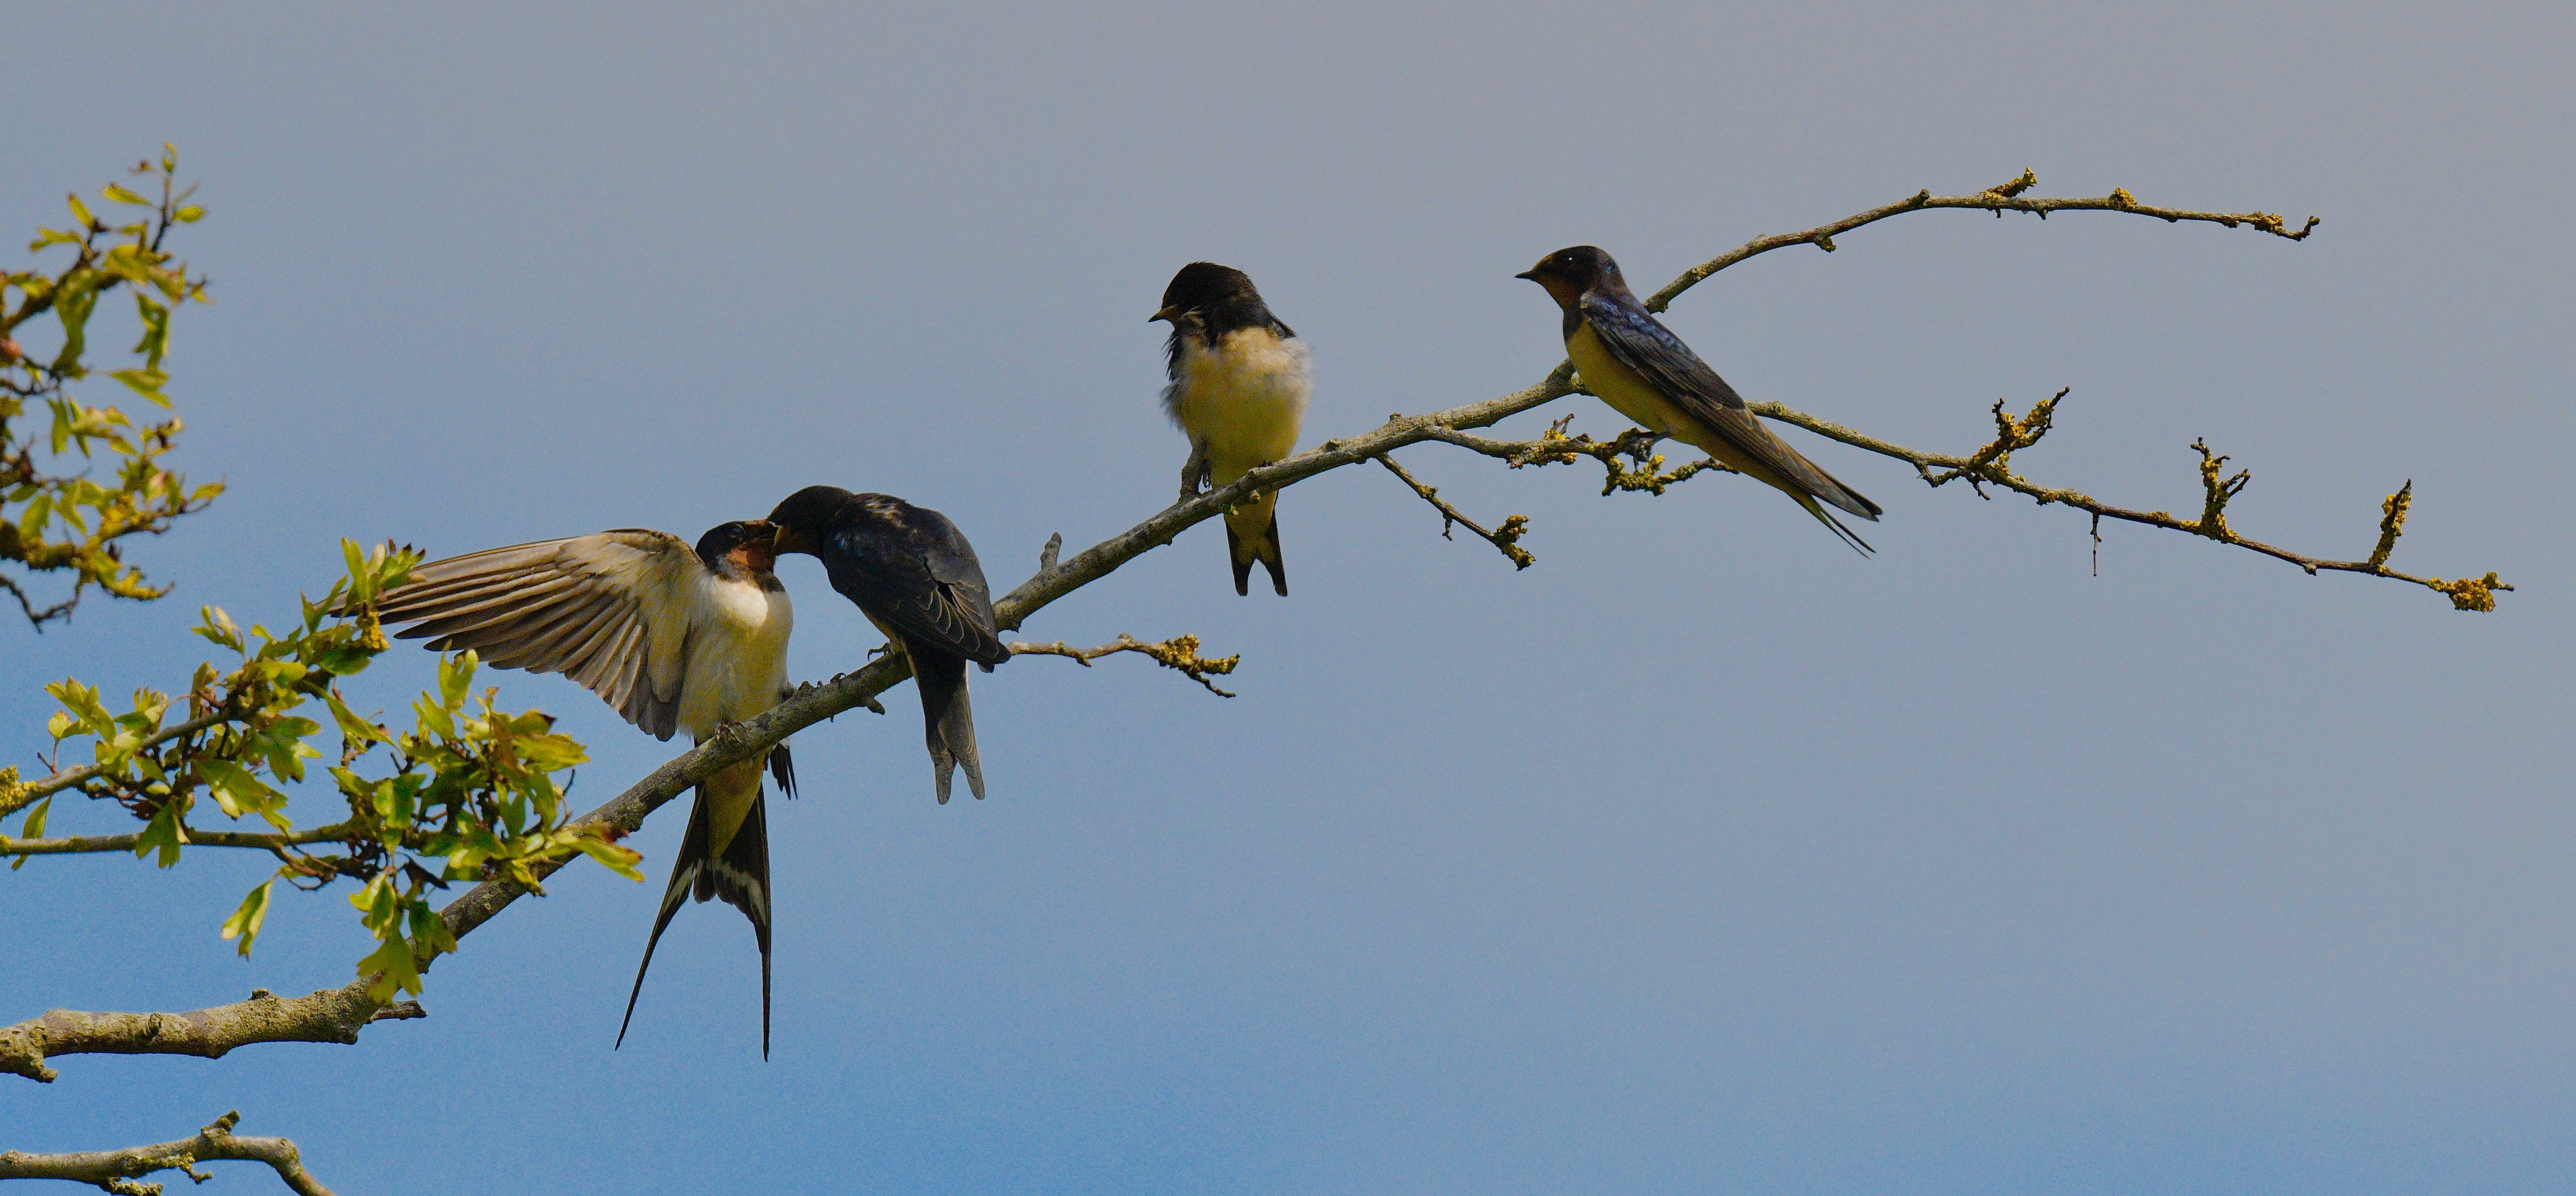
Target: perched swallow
[(912, 573), (675, 639), (1644, 372), (1238, 390)]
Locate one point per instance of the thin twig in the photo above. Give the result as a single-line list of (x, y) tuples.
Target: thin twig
[(14, 798), (1180, 653), (1504, 538), (1997, 200)]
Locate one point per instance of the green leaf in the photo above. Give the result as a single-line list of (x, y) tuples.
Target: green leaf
[(392, 966), (163, 833), (82, 702), (219, 627), (552, 753), (455, 678), (33, 828), (616, 859), (344, 662), (156, 334), (352, 727), (147, 383), (430, 931), (80, 212), (235, 789), (244, 924), (121, 195), (361, 579), (375, 902)]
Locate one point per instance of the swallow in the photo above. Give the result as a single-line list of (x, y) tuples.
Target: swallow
[(912, 573), (674, 638), (1628, 358), (1239, 382)]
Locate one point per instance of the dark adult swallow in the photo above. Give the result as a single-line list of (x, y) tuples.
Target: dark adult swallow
[(912, 573)]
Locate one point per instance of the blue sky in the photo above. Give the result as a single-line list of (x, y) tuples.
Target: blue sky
[(1703, 855)]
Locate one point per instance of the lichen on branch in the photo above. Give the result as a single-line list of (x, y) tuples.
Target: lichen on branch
[(118, 1171)]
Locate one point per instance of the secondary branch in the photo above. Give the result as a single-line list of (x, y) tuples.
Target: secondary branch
[(116, 1170)]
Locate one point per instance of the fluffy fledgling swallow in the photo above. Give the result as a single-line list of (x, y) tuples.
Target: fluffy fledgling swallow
[(675, 639), (1628, 358), (912, 573), (1239, 382)]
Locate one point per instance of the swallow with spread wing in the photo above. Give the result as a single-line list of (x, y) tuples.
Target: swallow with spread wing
[(912, 573), (1628, 358), (1239, 382), (675, 639)]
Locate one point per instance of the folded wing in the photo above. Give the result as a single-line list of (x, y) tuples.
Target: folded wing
[(917, 574), (1643, 344), (611, 611)]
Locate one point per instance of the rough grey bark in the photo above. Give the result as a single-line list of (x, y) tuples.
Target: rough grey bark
[(116, 1170)]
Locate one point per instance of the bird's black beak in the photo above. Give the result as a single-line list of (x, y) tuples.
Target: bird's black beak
[(1531, 275), (1169, 313)]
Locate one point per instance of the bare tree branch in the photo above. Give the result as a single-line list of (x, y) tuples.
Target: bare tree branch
[(115, 1170), (259, 840), (1997, 200), (1180, 652), (1056, 577), (329, 1015), (1990, 465)]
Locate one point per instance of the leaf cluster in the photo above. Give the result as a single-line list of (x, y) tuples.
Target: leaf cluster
[(58, 515), (468, 792)]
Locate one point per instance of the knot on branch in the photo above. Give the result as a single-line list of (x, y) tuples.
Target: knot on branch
[(2392, 523), (2215, 494), (2471, 593), (1180, 653), (1998, 194), (2273, 224)]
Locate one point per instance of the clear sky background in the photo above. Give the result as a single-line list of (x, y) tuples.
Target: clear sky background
[(1702, 856)]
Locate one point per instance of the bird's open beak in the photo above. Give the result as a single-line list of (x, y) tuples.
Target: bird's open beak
[(783, 541), (1169, 313)]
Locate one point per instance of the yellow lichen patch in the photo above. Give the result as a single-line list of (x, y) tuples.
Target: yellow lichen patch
[(2392, 523), (2470, 593)]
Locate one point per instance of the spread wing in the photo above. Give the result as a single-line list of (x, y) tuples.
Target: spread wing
[(910, 569), (1643, 344), (610, 610)]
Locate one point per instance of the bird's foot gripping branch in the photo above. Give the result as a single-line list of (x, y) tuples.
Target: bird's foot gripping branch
[(476, 784)]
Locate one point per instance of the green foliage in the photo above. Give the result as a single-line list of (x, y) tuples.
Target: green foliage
[(55, 521), (469, 792)]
